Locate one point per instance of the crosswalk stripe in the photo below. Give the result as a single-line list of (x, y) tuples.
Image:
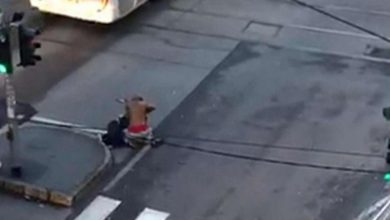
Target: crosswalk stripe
[(151, 214), (99, 209)]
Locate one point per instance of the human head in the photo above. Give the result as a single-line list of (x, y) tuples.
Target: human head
[(137, 98)]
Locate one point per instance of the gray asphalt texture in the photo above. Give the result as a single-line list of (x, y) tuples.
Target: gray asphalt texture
[(268, 72), (279, 97)]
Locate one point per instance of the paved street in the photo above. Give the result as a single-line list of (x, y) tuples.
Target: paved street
[(269, 110), (301, 106)]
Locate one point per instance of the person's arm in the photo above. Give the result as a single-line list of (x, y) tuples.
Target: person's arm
[(127, 111), (129, 105), (150, 108)]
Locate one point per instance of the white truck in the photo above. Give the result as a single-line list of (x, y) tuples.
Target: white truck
[(100, 11)]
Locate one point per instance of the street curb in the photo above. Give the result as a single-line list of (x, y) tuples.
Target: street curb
[(51, 196)]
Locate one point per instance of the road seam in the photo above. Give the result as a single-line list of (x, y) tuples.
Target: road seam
[(125, 54), (281, 24), (282, 46)]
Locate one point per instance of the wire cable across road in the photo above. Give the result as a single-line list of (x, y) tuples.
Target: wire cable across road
[(271, 146), (274, 161)]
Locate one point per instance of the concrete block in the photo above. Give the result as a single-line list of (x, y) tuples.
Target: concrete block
[(59, 198), (13, 187), (36, 192)]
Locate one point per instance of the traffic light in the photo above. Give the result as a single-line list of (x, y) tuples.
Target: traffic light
[(386, 177), (5, 52), (27, 46)]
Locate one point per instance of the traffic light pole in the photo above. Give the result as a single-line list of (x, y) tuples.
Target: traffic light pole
[(17, 48), (13, 130), (12, 133)]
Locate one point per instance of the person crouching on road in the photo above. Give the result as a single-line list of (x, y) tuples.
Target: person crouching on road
[(132, 128), (139, 133)]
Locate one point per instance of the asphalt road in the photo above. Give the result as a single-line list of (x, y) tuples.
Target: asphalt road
[(266, 72), (302, 106)]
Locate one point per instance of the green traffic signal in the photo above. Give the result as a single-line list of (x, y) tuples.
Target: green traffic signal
[(5, 52), (3, 69), (386, 177)]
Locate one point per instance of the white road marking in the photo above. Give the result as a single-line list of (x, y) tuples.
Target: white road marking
[(373, 209), (127, 168), (99, 209), (53, 122), (331, 31), (43, 120), (386, 216), (380, 214), (151, 214)]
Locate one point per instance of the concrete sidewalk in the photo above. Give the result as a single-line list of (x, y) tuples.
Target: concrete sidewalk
[(57, 164)]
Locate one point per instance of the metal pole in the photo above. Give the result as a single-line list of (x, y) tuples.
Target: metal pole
[(13, 133)]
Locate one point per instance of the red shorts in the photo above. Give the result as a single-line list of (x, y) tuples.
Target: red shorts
[(138, 128)]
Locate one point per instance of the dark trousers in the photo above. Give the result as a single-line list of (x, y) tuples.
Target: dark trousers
[(115, 135)]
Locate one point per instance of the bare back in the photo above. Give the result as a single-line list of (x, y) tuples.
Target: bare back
[(139, 111)]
